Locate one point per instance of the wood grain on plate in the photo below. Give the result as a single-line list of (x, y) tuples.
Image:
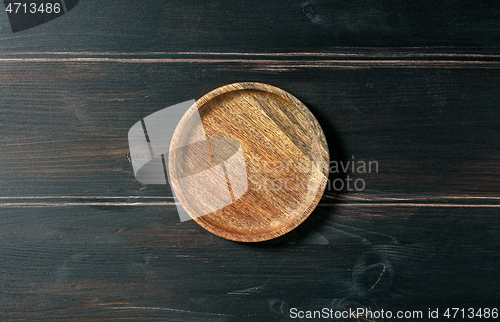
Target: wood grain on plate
[(285, 166)]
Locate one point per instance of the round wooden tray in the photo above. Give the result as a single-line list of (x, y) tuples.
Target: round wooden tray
[(268, 149)]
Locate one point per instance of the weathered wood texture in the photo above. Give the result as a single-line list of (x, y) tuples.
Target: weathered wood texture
[(260, 26), (433, 131), (81, 239)]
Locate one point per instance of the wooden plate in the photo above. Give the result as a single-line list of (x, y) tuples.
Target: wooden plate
[(269, 151)]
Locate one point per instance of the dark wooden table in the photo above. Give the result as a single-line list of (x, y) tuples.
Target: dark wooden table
[(413, 85)]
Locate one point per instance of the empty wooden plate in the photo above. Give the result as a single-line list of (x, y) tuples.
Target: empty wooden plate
[(248, 162)]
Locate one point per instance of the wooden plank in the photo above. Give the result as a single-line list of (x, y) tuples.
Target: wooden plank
[(89, 263), (432, 131), (257, 26)]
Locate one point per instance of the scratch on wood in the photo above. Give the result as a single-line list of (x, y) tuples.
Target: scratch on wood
[(378, 279), (166, 309), (247, 291)]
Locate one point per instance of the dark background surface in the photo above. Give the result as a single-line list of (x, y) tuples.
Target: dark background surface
[(413, 85)]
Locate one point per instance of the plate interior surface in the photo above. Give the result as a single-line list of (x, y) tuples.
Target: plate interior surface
[(285, 157)]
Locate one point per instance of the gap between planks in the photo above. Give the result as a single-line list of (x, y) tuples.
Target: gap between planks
[(344, 58), (350, 201)]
